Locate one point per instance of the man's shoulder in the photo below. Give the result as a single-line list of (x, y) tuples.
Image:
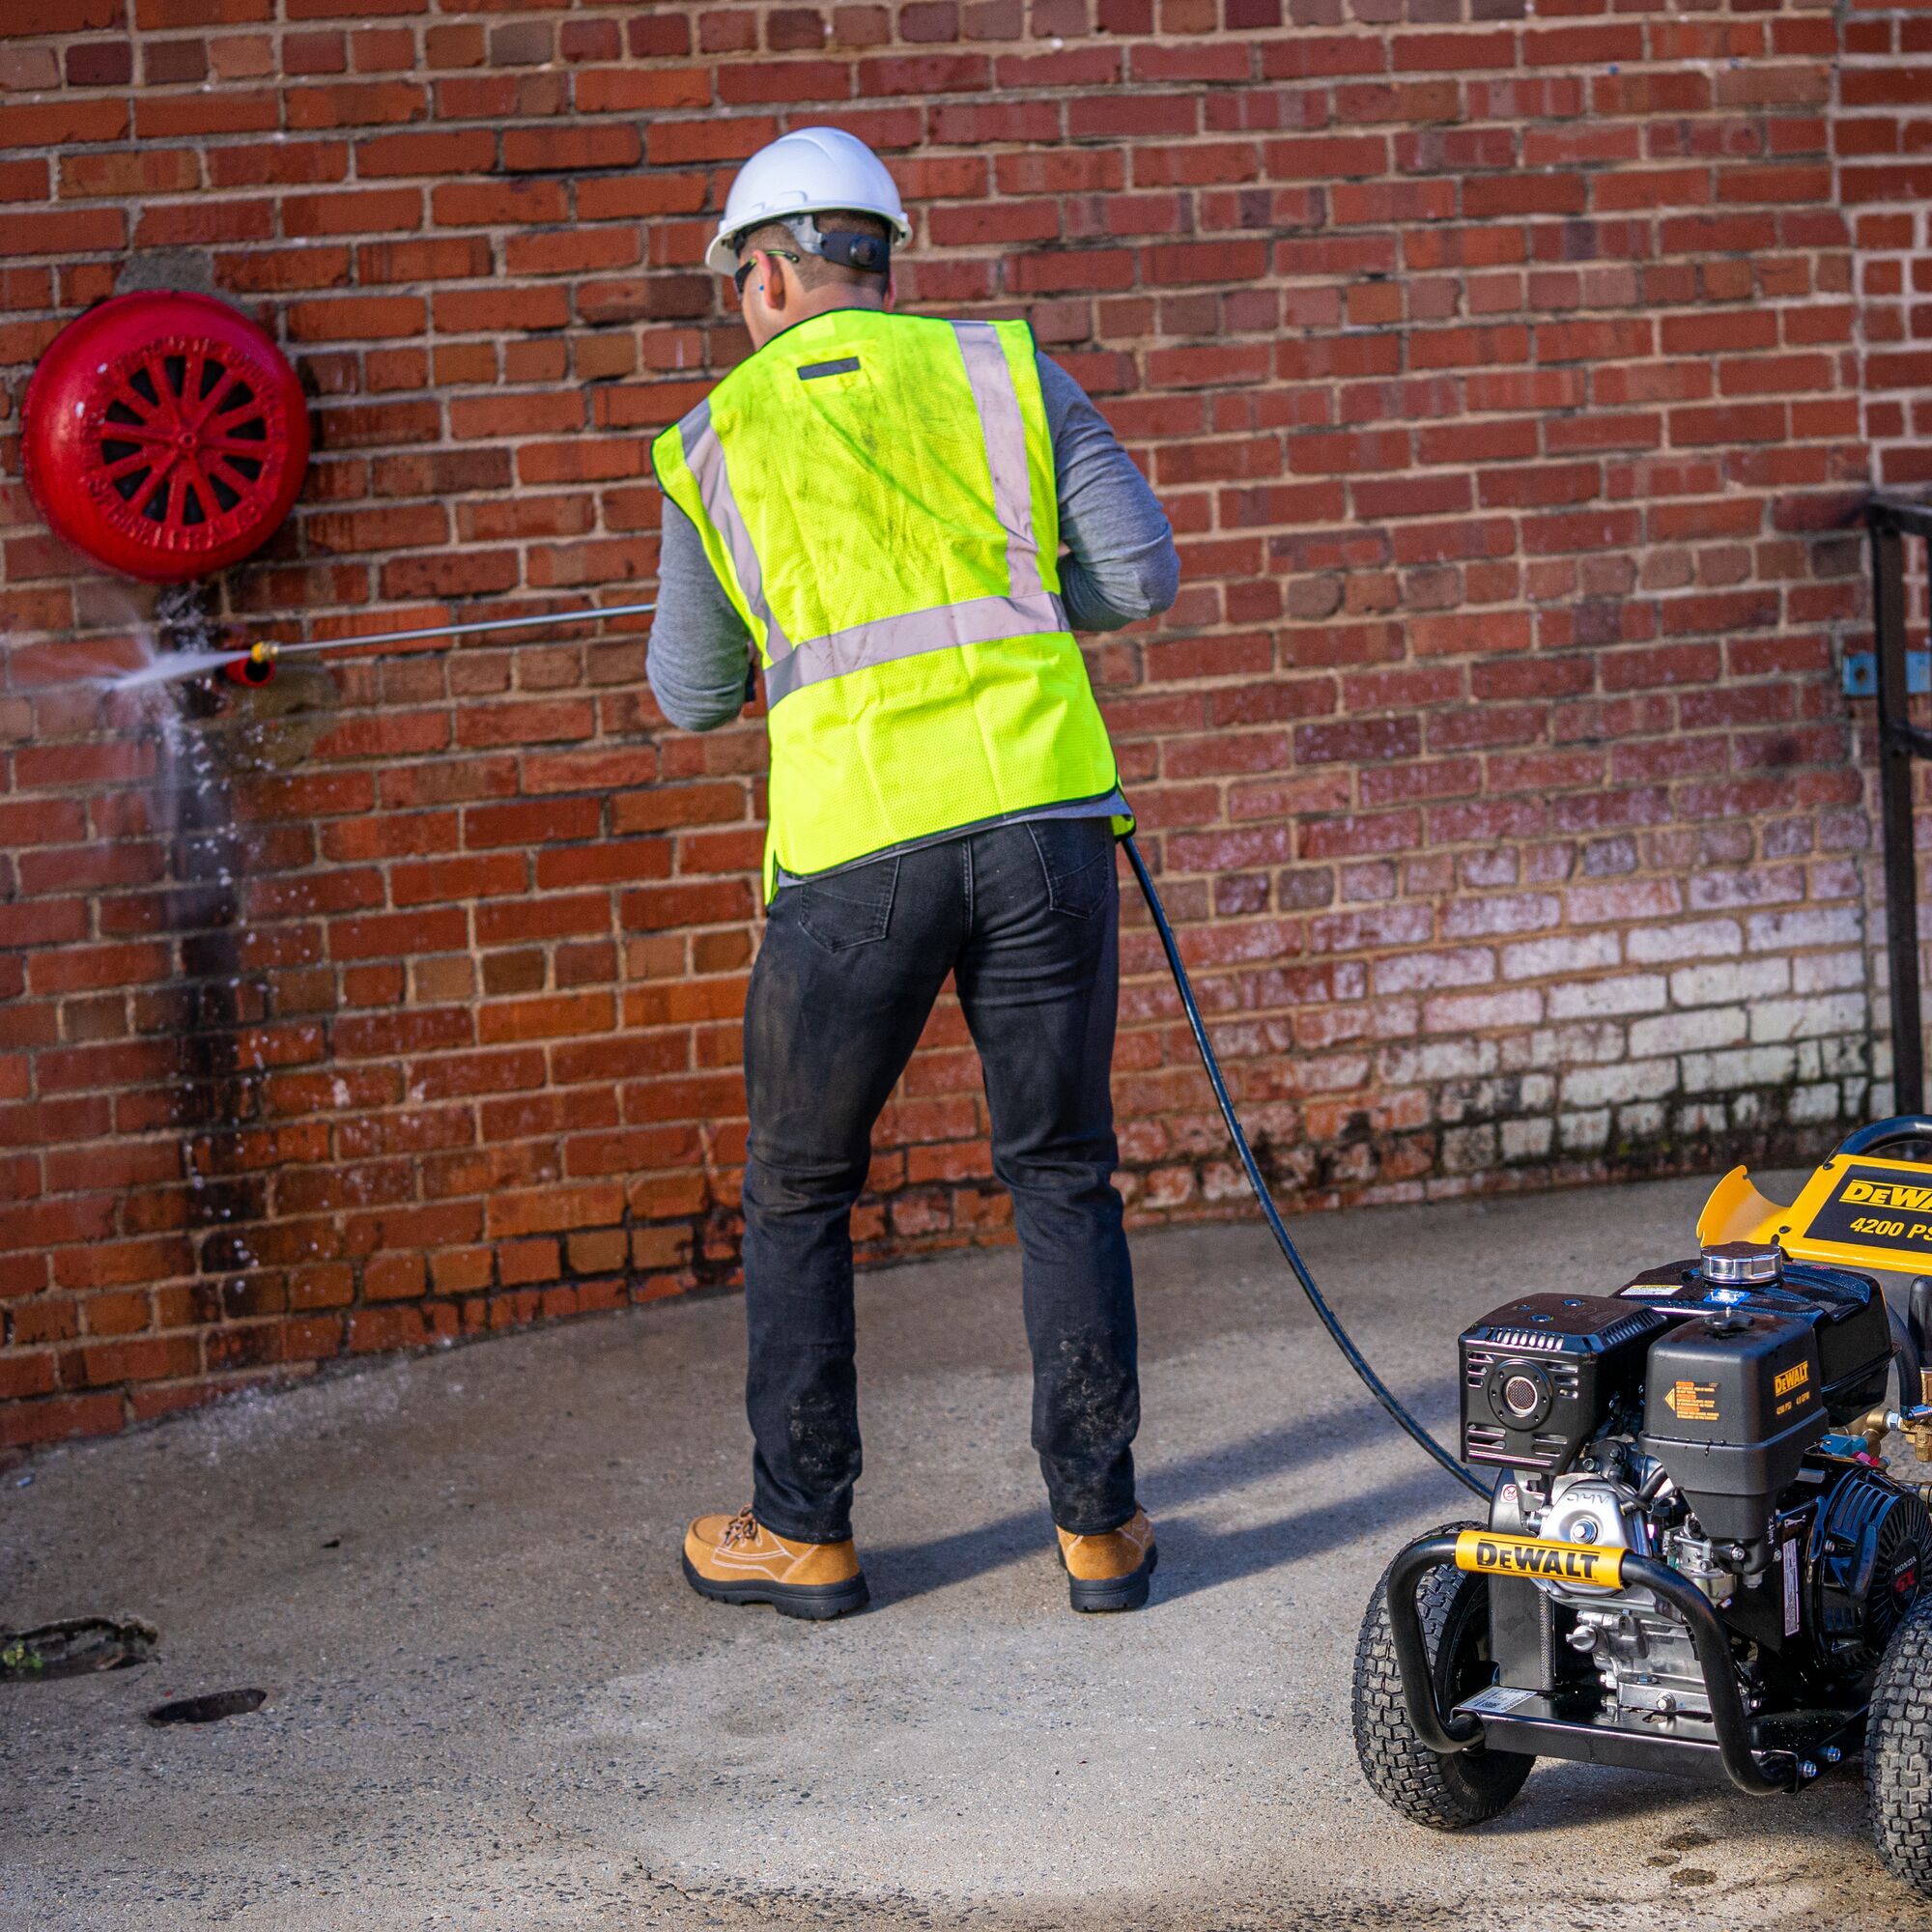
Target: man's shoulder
[(680, 436)]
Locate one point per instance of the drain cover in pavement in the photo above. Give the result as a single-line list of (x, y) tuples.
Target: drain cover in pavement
[(74, 1648), (207, 1708)]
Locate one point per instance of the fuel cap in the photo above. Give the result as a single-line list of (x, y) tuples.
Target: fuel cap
[(1743, 1264)]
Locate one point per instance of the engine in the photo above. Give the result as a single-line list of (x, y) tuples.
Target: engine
[(1715, 1415)]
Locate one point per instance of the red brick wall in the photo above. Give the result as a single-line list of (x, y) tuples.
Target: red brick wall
[(1501, 373), (1882, 137)]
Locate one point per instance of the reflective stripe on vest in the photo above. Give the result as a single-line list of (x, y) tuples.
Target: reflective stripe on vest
[(705, 458), (1005, 432), (944, 628)]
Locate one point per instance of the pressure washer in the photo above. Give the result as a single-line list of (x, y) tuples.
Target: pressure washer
[(1696, 1559)]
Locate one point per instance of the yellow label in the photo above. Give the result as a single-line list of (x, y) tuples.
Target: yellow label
[(1692, 1401), (1494, 1555), (1794, 1376)]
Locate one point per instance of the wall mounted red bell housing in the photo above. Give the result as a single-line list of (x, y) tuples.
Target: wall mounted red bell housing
[(164, 434)]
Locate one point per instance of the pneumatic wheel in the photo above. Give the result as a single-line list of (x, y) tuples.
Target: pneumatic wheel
[(1898, 1750), (1465, 1787)]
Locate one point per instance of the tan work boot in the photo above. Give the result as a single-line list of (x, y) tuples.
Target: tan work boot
[(1109, 1571), (737, 1560)]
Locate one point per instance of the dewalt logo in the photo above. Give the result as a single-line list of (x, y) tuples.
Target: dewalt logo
[(1886, 1194), (1794, 1376), (1496, 1555)]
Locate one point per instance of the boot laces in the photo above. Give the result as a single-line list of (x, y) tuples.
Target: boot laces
[(742, 1528)]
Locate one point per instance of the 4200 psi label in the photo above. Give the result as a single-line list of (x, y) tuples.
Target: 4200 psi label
[(1877, 1208)]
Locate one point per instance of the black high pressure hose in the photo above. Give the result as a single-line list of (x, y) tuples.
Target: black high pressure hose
[(1270, 1213)]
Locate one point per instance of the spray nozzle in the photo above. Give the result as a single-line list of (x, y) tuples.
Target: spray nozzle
[(254, 666)]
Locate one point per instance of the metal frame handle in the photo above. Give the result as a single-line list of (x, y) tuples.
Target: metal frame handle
[(1449, 1733)]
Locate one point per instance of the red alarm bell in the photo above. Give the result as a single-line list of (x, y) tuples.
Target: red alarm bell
[(164, 434)]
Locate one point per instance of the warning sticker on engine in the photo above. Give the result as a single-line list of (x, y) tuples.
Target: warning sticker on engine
[(1692, 1401)]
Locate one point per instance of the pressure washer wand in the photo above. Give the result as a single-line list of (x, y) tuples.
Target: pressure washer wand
[(266, 651), (1270, 1213)]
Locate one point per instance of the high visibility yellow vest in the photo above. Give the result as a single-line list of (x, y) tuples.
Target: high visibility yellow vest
[(875, 492)]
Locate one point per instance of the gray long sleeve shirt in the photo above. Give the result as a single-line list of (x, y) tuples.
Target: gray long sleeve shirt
[(1121, 565)]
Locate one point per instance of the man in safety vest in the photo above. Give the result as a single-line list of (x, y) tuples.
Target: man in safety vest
[(871, 510)]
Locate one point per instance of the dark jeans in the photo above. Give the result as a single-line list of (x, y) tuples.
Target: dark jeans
[(1026, 917)]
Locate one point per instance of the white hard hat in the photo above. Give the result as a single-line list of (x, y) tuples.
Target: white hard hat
[(808, 171)]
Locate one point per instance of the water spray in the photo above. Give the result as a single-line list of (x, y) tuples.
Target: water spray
[(254, 664)]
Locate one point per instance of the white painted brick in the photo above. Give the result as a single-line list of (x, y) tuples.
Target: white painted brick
[(1170, 1186), (1764, 885), (1724, 984), (1441, 1060), (1681, 1033), (1483, 1099), (1698, 939), (1740, 1066), (1527, 1140), (1814, 1104), (1794, 1019), (1640, 1123), (1597, 999), (1333, 1073), (1845, 1054), (1614, 1086), (1331, 1026), (1583, 1133), (1562, 953), (1619, 901), (1747, 1110), (1827, 972), (1468, 1149), (1589, 1044), (1374, 926), (1503, 912), (1466, 1012), (1393, 1193), (1809, 925), (1459, 1100), (1430, 972), (1221, 1183), (1700, 1117)]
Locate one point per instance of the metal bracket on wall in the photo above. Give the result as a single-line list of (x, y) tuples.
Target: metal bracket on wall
[(1860, 673)]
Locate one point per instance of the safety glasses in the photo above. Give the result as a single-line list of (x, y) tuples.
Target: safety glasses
[(746, 266)]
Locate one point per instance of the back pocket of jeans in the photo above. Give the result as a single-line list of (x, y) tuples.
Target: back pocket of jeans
[(1077, 857), (848, 908)]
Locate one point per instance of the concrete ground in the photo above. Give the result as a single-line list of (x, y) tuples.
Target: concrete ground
[(494, 1702)]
